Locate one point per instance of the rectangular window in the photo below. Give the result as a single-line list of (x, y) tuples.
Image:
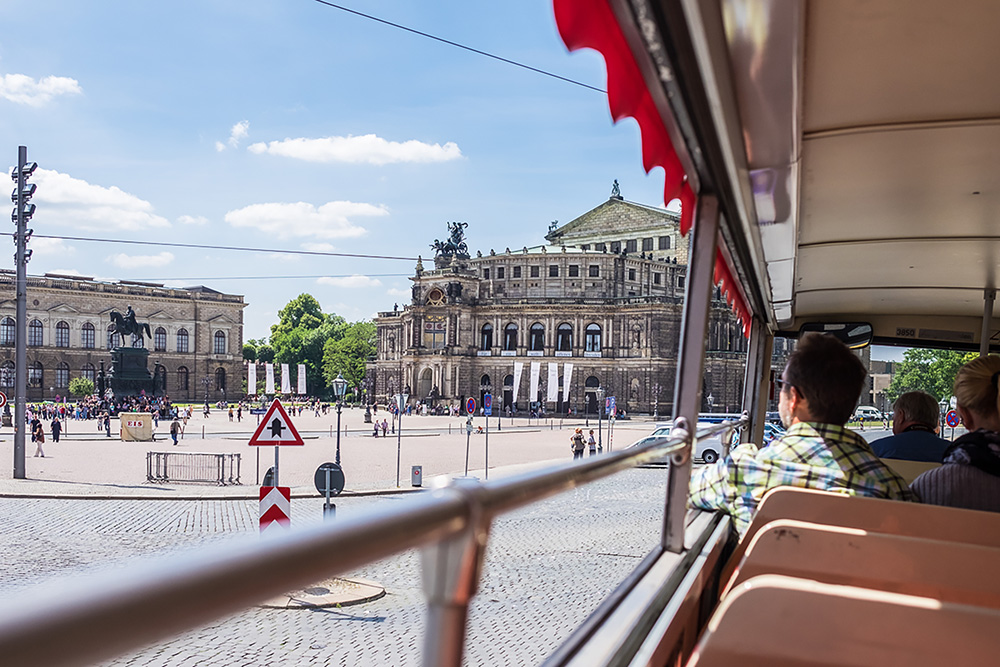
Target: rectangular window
[(631, 274), (680, 281), (601, 247), (647, 244), (534, 272), (594, 271), (517, 271), (585, 247), (553, 270), (616, 247), (500, 272), (664, 243), (574, 271), (486, 274), (434, 332), (656, 278), (631, 245)]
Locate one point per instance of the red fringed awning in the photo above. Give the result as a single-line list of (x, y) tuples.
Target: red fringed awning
[(592, 24)]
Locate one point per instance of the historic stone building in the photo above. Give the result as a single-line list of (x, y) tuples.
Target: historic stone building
[(197, 334), (596, 312)]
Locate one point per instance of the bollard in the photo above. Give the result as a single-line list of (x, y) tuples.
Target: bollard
[(417, 475), (202, 432)]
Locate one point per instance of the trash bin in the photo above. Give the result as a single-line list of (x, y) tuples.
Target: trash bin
[(417, 476)]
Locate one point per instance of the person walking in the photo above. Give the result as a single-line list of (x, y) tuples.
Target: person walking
[(385, 427), (175, 429), (239, 413), (230, 413), (38, 435), (107, 424), (577, 444), (56, 429), (592, 443)]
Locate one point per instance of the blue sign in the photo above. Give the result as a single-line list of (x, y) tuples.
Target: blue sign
[(258, 411), (488, 404), (609, 405), (470, 406)]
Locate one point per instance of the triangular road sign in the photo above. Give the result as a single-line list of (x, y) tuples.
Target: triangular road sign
[(276, 428)]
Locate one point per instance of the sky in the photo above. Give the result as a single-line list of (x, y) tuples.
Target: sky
[(294, 126)]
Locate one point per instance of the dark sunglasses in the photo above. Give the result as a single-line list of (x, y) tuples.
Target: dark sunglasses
[(781, 384)]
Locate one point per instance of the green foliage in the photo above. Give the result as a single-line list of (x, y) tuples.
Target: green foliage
[(300, 336), (932, 371), (81, 387), (348, 353), (265, 353), (249, 351)]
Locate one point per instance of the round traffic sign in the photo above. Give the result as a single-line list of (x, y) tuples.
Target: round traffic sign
[(470, 406), (335, 477), (3, 399), (952, 418)]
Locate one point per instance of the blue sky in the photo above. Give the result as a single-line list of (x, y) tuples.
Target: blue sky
[(295, 126)]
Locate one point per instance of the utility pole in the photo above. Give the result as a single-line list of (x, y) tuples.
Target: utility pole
[(22, 213)]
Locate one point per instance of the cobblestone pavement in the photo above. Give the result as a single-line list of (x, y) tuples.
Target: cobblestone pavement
[(548, 566)]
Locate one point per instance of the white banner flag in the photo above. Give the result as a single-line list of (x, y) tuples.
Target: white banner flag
[(252, 378), (567, 377), (535, 370), (518, 367), (553, 388), (302, 380), (286, 380), (268, 378)]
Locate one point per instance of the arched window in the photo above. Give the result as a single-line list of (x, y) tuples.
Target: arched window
[(536, 343), (62, 335), (89, 372), (7, 374), (160, 339), (35, 374), (112, 337), (182, 341), (87, 337), (7, 331), (138, 341), (220, 379), (486, 339), (510, 337), (220, 343), (62, 374), (35, 333), (593, 341), (564, 337), (182, 378)]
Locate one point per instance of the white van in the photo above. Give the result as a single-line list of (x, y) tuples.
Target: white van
[(868, 412)]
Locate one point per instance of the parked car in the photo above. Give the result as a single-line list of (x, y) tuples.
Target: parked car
[(708, 450), (868, 412)]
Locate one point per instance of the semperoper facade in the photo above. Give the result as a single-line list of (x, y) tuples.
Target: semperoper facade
[(196, 334), (596, 310)]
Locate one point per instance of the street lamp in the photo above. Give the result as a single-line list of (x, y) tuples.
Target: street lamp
[(339, 387), (400, 406), (600, 410)]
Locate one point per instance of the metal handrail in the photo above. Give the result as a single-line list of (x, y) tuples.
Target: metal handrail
[(82, 623)]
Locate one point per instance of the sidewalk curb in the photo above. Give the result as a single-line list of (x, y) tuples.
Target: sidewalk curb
[(247, 496)]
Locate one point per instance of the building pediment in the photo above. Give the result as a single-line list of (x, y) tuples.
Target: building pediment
[(159, 315), (612, 219), (63, 308), (221, 319)]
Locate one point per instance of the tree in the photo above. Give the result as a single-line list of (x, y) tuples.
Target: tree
[(349, 353), (249, 351), (300, 337), (265, 353), (932, 371), (81, 386)]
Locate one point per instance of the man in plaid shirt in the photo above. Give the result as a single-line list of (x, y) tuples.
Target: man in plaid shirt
[(819, 389)]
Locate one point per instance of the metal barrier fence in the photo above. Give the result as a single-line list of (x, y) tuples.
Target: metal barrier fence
[(105, 616), (218, 469)]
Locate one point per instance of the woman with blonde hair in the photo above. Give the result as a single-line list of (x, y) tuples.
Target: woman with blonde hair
[(970, 474)]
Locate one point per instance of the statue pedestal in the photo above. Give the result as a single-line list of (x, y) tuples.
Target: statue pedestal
[(129, 374)]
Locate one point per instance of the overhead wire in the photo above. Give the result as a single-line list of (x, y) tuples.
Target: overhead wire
[(461, 46)]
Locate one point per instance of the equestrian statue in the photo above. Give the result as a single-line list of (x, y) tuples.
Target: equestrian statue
[(126, 325)]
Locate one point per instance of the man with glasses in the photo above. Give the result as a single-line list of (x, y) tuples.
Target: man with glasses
[(818, 390)]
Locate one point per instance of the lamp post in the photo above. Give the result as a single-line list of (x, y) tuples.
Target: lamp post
[(656, 401), (400, 406), (339, 387), (600, 411)]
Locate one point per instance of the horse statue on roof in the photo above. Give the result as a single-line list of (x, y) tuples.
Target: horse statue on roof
[(126, 325)]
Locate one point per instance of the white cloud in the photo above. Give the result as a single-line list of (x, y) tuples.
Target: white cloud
[(123, 261), (72, 202), (219, 146), (239, 132), (319, 247), (395, 291), (192, 220), (350, 282), (50, 247), (285, 220), (368, 148), (22, 89)]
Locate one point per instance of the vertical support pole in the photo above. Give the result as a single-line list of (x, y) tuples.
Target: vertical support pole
[(21, 324), (687, 389), (276, 465), (399, 436), (451, 571), (486, 462), (756, 389), (989, 298)]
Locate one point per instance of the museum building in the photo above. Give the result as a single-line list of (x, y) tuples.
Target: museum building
[(594, 313), (196, 342)]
